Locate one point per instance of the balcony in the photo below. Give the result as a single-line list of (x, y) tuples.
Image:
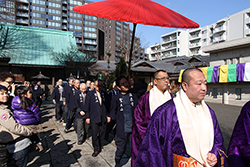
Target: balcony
[(22, 21), (169, 39), (90, 48), (64, 15), (24, 1), (64, 8), (248, 21), (64, 2), (194, 37), (64, 21), (64, 27), (22, 14), (247, 32), (219, 29), (169, 47), (22, 7), (195, 45)]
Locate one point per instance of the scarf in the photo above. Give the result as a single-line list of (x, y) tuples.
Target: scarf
[(196, 126), (156, 98)]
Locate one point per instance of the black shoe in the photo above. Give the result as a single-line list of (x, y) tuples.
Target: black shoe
[(66, 130), (95, 153), (79, 142)]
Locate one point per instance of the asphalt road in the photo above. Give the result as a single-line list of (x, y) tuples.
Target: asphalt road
[(226, 116)]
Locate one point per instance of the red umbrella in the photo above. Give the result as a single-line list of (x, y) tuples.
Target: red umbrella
[(136, 11)]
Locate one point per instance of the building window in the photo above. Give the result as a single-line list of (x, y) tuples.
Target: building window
[(35, 21), (204, 40), (54, 11), (77, 21), (55, 5), (90, 23), (238, 93), (51, 17), (53, 24), (37, 8), (40, 2), (72, 14), (90, 17)]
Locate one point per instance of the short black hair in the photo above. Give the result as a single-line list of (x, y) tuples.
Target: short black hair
[(3, 88), (4, 75), (156, 72), (118, 80), (186, 74)]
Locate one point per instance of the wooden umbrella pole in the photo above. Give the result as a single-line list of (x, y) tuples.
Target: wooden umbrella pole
[(131, 50)]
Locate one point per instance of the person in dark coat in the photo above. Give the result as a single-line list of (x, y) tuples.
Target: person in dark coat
[(66, 92), (114, 91), (72, 105), (80, 114), (57, 96), (121, 109), (37, 94), (97, 109)]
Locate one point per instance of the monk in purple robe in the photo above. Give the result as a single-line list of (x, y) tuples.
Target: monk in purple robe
[(147, 104), (239, 146), (183, 130)]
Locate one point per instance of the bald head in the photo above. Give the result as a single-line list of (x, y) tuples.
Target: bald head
[(186, 77)]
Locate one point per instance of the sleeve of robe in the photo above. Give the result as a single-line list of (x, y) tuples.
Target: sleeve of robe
[(156, 150), (140, 122), (218, 147), (239, 146)]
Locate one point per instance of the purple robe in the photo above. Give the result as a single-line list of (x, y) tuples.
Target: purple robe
[(163, 138), (240, 70), (239, 146), (142, 117)]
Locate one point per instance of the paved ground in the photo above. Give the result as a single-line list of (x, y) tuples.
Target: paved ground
[(62, 150)]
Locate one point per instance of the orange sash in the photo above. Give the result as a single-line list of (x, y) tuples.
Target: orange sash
[(181, 161)]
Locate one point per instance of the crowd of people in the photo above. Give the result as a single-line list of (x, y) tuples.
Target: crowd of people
[(162, 130)]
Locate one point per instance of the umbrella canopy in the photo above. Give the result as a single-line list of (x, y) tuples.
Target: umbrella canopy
[(138, 12), (40, 76)]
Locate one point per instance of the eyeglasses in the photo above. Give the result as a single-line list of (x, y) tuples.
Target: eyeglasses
[(163, 78)]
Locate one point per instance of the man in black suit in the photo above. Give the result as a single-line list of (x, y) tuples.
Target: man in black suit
[(96, 109)]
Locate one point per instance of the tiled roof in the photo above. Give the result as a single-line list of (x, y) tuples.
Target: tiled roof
[(32, 46)]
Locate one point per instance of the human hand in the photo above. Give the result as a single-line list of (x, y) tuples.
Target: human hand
[(54, 102), (88, 121), (108, 119), (82, 113), (13, 87), (64, 103), (211, 159)]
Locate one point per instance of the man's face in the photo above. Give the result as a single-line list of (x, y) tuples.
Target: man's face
[(60, 82), (161, 81), (83, 88), (77, 84), (88, 83), (124, 85), (71, 82), (99, 86), (3, 96), (196, 89), (8, 82), (92, 85)]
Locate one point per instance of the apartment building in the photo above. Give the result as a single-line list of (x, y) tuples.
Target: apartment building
[(229, 28), (53, 14), (172, 44), (58, 15), (116, 37)]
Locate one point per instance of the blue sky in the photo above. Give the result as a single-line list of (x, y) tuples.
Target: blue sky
[(201, 11)]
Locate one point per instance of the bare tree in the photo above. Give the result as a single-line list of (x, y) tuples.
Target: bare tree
[(74, 59)]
